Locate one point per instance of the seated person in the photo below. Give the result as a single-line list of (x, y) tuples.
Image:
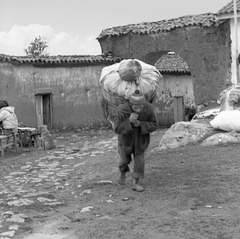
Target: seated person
[(8, 118)]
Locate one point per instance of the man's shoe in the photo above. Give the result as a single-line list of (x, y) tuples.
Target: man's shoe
[(122, 179), (138, 188)]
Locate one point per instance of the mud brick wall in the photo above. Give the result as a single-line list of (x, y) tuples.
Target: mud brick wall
[(76, 95), (207, 52)]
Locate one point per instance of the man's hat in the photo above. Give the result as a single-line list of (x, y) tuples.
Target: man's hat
[(137, 98)]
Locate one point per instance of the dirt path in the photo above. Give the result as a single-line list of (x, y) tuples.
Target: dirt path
[(71, 192)]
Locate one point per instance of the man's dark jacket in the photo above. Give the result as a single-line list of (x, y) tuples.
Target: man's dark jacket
[(135, 139)]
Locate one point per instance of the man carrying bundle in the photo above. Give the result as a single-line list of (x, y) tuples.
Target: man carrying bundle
[(137, 121)]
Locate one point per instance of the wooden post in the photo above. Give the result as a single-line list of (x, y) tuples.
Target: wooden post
[(236, 63)]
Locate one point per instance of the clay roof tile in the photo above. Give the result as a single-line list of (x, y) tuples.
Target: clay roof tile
[(172, 63), (75, 59)]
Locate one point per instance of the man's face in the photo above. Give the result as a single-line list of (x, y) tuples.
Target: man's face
[(137, 108)]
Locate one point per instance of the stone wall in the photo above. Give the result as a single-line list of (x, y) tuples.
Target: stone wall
[(207, 52)]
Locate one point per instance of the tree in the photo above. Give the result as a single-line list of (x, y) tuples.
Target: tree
[(37, 47)]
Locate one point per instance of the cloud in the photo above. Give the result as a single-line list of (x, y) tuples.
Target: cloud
[(59, 43)]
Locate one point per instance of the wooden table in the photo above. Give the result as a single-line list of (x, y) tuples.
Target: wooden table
[(28, 137)]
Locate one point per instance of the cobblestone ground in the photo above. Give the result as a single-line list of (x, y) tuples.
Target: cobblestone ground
[(35, 182)]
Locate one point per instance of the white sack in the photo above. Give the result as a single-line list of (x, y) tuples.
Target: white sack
[(227, 121), (111, 81)]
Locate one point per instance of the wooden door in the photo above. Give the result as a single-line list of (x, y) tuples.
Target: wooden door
[(39, 109), (44, 110), (178, 109)]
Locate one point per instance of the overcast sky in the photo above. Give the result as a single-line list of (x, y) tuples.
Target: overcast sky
[(71, 27)]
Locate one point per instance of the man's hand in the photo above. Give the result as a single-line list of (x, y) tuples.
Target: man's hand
[(133, 117), (136, 123)]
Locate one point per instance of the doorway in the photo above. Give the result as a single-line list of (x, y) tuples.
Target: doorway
[(44, 109)]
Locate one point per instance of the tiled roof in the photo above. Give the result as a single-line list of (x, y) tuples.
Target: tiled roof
[(59, 60), (205, 20), (229, 8), (172, 63)]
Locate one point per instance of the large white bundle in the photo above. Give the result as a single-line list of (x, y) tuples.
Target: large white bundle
[(227, 121), (117, 78)]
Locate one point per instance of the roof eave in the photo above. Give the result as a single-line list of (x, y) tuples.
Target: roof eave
[(175, 72), (226, 16), (106, 58)]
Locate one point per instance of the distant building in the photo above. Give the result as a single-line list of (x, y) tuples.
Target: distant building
[(60, 91), (175, 96), (202, 41)]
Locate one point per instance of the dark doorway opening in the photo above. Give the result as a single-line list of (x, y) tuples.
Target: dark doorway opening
[(44, 109)]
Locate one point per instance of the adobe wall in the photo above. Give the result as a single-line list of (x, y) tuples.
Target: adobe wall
[(76, 95), (17, 89), (171, 86), (207, 52)]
